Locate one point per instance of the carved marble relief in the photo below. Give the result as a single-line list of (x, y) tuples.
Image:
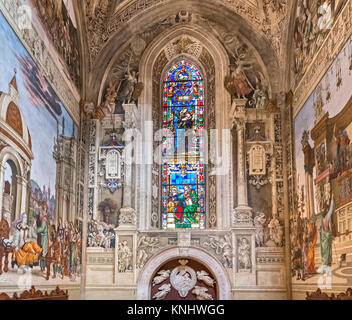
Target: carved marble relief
[(183, 280), (244, 254)]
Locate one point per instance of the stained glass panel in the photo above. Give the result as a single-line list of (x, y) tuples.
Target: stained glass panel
[(183, 174)]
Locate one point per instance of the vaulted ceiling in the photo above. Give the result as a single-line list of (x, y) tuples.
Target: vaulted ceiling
[(105, 26)]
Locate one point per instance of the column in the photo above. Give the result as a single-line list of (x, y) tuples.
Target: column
[(242, 213), (24, 195), (308, 168), (129, 123), (2, 174), (18, 196)]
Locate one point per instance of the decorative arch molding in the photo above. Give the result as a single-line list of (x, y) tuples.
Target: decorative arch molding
[(152, 266), (213, 61)]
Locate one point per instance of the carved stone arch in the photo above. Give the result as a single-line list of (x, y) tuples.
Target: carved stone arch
[(148, 272)]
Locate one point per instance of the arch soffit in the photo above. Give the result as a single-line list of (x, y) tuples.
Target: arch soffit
[(164, 256)]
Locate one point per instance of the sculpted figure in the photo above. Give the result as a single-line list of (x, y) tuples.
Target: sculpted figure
[(204, 276), (162, 276), (259, 222), (244, 254), (201, 293), (125, 257), (276, 232), (163, 291), (146, 245)]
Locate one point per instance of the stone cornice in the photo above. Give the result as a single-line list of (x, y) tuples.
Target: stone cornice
[(323, 59), (36, 48)]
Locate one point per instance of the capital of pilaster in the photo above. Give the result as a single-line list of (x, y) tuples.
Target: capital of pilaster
[(127, 218)]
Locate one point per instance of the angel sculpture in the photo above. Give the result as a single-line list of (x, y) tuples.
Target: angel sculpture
[(163, 275), (201, 293), (163, 291), (131, 89), (204, 276)]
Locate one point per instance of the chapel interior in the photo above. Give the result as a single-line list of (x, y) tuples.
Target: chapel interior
[(176, 149)]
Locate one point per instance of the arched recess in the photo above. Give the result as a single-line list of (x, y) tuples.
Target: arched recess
[(153, 265), (213, 60)]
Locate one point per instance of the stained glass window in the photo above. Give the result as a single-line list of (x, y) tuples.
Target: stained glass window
[(183, 170)]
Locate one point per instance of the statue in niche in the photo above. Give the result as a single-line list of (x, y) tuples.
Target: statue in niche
[(259, 222), (125, 257), (244, 255), (107, 208)]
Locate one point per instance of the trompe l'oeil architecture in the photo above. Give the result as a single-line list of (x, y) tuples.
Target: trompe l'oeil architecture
[(171, 150)]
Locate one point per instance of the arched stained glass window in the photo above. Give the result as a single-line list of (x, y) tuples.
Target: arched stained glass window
[(183, 170)]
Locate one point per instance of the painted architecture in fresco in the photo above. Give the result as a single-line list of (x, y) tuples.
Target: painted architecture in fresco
[(321, 229), (38, 140)]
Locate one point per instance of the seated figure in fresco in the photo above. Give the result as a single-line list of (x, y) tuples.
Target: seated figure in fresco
[(26, 252)]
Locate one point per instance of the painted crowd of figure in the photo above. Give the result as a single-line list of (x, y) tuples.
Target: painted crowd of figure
[(41, 244), (311, 27)]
